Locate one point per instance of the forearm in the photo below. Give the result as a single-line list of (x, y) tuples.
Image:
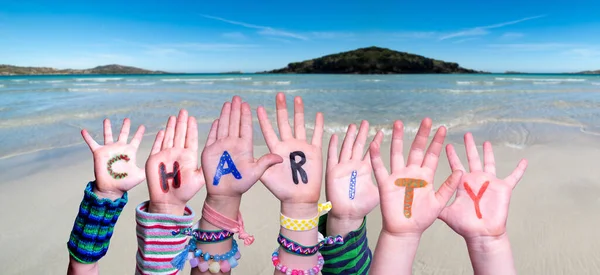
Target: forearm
[(491, 255), (354, 255), (394, 254), (228, 207), (93, 228), (306, 238)]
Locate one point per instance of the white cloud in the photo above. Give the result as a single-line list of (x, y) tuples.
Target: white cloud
[(584, 52), (332, 35), (280, 40), (413, 35), (234, 35), (464, 40), (531, 46), (263, 30), (483, 30)]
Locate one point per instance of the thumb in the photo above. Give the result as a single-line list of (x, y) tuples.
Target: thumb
[(447, 189), (444, 215), (200, 177), (266, 161)]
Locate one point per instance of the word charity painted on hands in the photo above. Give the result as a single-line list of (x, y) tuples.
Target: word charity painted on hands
[(111, 161), (352, 185), (164, 176), (410, 185), (297, 166), (477, 198), (221, 170)]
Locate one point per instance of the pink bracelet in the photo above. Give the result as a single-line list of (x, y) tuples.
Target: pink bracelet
[(217, 219), (288, 271)]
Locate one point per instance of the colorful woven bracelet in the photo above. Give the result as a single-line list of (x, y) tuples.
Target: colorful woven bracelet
[(295, 248), (157, 246), (94, 226), (205, 236), (205, 261), (304, 224), (288, 271)]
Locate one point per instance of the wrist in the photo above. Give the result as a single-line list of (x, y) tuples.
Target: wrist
[(488, 244), (112, 195), (408, 238), (299, 210), (228, 206), (166, 208), (342, 226)]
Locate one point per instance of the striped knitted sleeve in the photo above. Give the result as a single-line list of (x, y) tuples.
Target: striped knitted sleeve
[(157, 246), (352, 257)]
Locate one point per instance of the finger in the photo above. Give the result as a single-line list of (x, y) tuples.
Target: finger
[(266, 128), (108, 138), (432, 156), (223, 130), (332, 158), (191, 135), (138, 136), (181, 129), (489, 161), (453, 159), (360, 141), (517, 174), (124, 131), (89, 140), (131, 184), (445, 192), (285, 131), (246, 125), (157, 142), (346, 151), (397, 147), (299, 129), (317, 139), (235, 116), (417, 149), (200, 177), (472, 154), (375, 150), (212, 134), (169, 133), (266, 161)]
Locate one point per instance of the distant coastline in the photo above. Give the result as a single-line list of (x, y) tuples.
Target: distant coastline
[(113, 69)]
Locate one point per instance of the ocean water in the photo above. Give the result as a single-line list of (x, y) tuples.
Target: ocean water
[(46, 112)]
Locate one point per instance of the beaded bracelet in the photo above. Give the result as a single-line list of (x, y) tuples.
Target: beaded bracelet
[(205, 261), (304, 224), (288, 271), (295, 248), (205, 236)]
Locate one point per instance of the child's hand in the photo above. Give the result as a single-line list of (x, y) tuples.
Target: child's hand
[(481, 205), (297, 180), (115, 163), (349, 185), (229, 153), (409, 203), (172, 168)]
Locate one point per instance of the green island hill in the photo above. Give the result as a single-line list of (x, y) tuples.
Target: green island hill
[(108, 69), (374, 60)]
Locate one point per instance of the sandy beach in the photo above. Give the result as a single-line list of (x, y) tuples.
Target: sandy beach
[(552, 223)]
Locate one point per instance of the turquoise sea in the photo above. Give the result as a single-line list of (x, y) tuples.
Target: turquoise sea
[(46, 112)]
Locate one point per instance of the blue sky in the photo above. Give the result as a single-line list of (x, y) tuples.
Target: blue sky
[(217, 36)]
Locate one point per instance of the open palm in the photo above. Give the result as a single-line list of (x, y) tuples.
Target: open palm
[(115, 163), (232, 133), (279, 178), (488, 216), (349, 184), (176, 149), (400, 215)]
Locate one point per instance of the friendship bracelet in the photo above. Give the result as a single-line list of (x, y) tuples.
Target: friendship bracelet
[(207, 262), (304, 224), (93, 227), (205, 236), (288, 271), (217, 219), (295, 248), (157, 246)]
